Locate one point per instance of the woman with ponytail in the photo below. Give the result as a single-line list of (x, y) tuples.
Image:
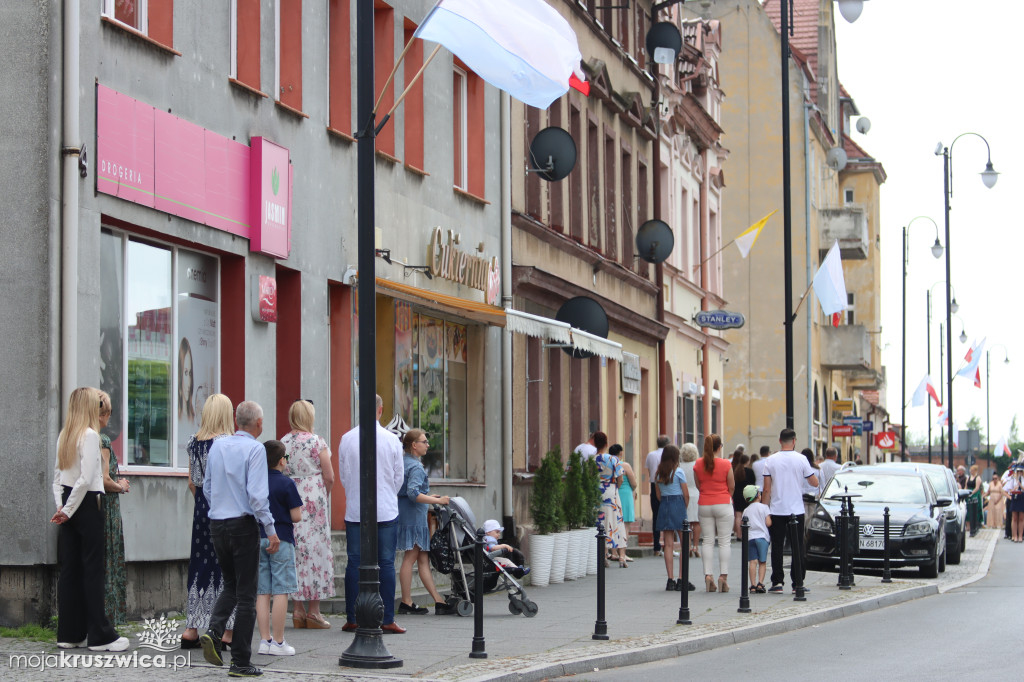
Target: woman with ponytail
[(716, 483)]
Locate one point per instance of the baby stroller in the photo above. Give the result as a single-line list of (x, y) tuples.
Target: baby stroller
[(451, 553)]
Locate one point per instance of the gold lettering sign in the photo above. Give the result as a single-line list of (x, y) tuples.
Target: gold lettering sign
[(448, 261)]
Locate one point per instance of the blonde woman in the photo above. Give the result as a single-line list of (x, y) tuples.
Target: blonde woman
[(116, 581), (688, 456), (309, 465), (77, 487), (205, 581)]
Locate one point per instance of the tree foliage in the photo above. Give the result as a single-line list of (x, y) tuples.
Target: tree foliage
[(574, 500), (546, 500)]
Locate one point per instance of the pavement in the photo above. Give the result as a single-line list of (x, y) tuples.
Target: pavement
[(640, 616)]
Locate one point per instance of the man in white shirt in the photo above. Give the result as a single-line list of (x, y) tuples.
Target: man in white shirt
[(758, 467), (587, 449), (828, 468), (784, 475), (651, 465), (390, 475)]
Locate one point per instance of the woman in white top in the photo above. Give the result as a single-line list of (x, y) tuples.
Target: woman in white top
[(77, 485), (688, 456)]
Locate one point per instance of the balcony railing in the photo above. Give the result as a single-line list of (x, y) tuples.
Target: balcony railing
[(846, 347), (849, 225)]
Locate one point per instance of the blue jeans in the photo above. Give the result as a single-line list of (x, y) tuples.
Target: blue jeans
[(237, 544), (387, 541)]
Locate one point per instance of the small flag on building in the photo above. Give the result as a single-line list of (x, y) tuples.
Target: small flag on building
[(829, 284), (746, 240)]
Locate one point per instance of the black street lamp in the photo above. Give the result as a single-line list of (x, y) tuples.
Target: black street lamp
[(989, 177), (937, 252), (988, 365)]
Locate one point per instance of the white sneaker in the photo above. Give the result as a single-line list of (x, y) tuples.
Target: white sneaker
[(675, 553), (281, 649), (264, 646), (72, 645), (119, 644)]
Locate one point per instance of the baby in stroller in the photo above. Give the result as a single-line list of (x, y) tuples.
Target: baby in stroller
[(508, 556)]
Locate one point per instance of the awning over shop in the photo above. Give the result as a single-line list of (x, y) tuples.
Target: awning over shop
[(473, 310), (561, 333)]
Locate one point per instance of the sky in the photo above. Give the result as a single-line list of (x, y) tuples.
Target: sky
[(925, 71)]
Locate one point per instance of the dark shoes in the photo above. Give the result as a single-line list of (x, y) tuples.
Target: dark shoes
[(211, 648), (412, 609), (759, 589), (393, 628), (190, 643), (776, 589), (244, 671), (349, 627), (670, 586)]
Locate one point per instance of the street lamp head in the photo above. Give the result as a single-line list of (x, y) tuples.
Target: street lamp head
[(953, 305), (937, 248), (989, 175), (851, 9), (963, 336)]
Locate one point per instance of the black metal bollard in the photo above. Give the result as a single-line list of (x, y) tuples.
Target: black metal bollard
[(744, 567), (600, 625), (886, 573), (843, 538), (796, 560), (684, 589), (478, 598)]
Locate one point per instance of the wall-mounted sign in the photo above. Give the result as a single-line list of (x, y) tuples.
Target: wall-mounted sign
[(856, 422), (447, 261), (264, 298), (842, 431), (270, 177), (869, 426), (719, 319), (630, 373), (885, 440)]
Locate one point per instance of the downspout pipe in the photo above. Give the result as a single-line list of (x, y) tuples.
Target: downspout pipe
[(664, 381), (507, 507), (807, 266), (705, 284), (70, 153)]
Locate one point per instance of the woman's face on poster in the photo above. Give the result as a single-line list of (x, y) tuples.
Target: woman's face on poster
[(186, 375)]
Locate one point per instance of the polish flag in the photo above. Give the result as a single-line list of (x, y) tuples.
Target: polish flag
[(972, 358), (1002, 448), (924, 389)]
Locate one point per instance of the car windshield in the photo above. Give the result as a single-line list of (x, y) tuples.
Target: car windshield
[(878, 487), (939, 482)]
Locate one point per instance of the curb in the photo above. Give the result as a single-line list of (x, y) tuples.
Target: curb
[(746, 633), (986, 562)]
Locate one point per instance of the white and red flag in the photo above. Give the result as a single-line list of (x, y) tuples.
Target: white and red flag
[(972, 358), (924, 389), (1002, 448), (524, 47)]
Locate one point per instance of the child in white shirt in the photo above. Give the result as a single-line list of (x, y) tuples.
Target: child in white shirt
[(759, 518)]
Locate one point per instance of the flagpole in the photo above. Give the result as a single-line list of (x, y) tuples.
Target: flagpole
[(411, 83), (391, 76), (801, 301), (699, 265)]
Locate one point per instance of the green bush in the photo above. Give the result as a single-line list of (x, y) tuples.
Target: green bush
[(574, 500), (592, 492), (546, 501)]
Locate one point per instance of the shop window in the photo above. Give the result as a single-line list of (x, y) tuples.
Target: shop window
[(699, 441), (468, 129), (413, 103), (245, 42), (288, 89), (159, 346), (679, 420), (430, 387), (688, 431), (716, 409), (151, 18), (383, 62), (339, 66)]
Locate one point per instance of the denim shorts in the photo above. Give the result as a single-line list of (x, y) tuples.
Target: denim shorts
[(757, 550), (277, 570)]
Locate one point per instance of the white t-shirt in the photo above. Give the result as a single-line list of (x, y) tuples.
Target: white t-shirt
[(758, 467), (756, 514), (587, 450), (828, 468), (652, 461), (788, 470)]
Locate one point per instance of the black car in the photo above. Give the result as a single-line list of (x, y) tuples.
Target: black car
[(945, 485), (917, 529)]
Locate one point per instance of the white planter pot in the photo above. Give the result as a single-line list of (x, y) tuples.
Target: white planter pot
[(558, 557), (581, 552), (591, 551), (572, 547), (541, 549)]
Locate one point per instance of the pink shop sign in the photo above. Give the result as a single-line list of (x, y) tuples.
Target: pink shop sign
[(155, 159)]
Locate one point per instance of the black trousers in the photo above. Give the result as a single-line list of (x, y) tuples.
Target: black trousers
[(778, 532), (1008, 533), (655, 505), (237, 544), (80, 586)]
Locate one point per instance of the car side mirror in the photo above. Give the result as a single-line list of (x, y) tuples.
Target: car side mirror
[(943, 501), (964, 494)]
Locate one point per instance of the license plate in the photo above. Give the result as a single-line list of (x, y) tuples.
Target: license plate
[(872, 543)]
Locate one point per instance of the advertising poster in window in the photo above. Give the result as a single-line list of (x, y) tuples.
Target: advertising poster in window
[(431, 393), (111, 341), (403, 361), (197, 351)]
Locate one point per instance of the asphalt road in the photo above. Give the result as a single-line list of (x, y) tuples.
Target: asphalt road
[(969, 633)]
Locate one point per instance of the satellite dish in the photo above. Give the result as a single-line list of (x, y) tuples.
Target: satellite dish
[(863, 125), (836, 158), (552, 154), (654, 241), (587, 314), (664, 42)]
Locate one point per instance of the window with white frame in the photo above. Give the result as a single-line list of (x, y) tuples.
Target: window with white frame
[(460, 132), (159, 346), (131, 13)]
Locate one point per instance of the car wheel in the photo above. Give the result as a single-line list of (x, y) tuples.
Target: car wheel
[(931, 569), (953, 553)]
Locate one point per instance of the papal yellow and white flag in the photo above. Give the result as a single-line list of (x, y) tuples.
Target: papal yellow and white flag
[(745, 241)]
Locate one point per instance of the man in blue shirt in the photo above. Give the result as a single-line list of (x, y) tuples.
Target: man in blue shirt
[(236, 487)]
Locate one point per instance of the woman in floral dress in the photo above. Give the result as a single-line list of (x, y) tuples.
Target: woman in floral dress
[(309, 465), (205, 581), (611, 472), (116, 590)]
